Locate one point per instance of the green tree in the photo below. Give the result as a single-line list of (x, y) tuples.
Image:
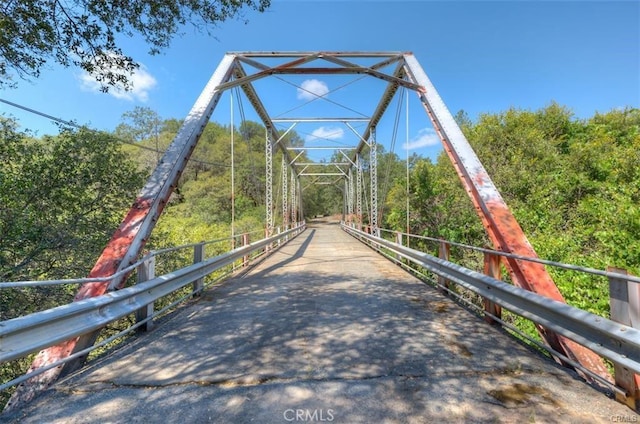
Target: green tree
[(462, 119), (60, 199), (84, 33), (139, 124), (201, 205), (573, 186), (321, 200)]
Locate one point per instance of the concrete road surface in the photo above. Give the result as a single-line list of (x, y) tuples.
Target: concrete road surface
[(323, 331)]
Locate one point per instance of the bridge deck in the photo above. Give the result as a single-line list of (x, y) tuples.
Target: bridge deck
[(323, 330)]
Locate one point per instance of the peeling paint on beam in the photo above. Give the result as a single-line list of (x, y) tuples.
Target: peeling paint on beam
[(501, 225), (129, 239)]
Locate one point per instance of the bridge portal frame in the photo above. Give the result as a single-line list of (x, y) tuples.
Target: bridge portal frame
[(129, 239)]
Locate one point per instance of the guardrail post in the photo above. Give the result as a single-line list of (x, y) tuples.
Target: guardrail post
[(443, 253), (398, 241), (492, 269), (146, 272), (245, 242), (624, 299), (198, 256)]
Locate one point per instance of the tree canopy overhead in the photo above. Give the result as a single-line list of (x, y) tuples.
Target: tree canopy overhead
[(83, 32)]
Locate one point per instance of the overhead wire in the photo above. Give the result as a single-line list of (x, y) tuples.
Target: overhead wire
[(407, 163), (323, 96), (325, 137), (396, 124), (243, 122), (118, 139), (240, 106), (233, 187)]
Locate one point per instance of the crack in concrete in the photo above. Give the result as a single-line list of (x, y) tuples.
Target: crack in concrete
[(98, 385)]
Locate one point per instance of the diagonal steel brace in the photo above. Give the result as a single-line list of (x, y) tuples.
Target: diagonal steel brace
[(502, 227)]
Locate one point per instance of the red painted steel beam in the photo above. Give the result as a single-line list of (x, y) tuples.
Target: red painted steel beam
[(128, 240), (382, 106), (292, 54), (255, 101), (502, 227), (287, 69)]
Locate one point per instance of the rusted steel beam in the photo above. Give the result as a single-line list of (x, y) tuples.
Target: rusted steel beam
[(347, 64), (382, 106), (258, 106), (289, 70), (492, 269), (502, 227), (251, 62), (128, 240), (387, 62), (267, 71), (343, 71), (292, 54)]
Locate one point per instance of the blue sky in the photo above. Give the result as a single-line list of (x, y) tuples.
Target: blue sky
[(481, 56)]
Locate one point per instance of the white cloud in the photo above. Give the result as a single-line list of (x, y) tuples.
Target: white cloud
[(426, 137), (141, 83), (325, 133), (312, 89)]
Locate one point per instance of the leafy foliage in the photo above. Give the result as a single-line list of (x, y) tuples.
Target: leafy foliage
[(572, 184), (201, 207), (60, 199), (84, 33)]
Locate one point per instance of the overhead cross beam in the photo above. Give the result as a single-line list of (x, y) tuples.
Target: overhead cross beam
[(255, 101), (295, 67)]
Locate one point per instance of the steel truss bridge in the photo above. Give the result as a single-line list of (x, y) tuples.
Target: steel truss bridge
[(576, 338)]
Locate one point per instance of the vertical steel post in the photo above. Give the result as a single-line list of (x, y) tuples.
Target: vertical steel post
[(198, 256), (245, 242), (292, 212), (443, 253), (345, 201), (624, 299), (373, 173), (146, 272), (350, 194), (399, 241), (346, 197), (299, 212), (359, 178), (233, 179), (285, 194), (269, 183), (492, 269)]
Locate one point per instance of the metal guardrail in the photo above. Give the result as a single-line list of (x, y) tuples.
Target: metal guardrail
[(124, 271), (570, 267), (23, 335), (617, 342)]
